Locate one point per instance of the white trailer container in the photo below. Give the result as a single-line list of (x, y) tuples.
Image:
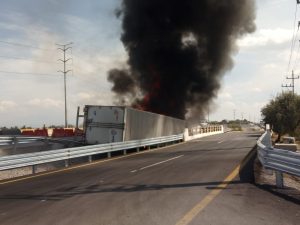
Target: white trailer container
[(105, 124)]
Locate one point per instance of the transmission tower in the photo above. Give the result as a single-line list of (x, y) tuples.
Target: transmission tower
[(64, 48), (292, 85)]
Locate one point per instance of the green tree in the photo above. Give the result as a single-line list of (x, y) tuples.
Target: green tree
[(283, 114)]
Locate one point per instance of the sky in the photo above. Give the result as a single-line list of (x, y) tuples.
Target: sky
[(32, 91)]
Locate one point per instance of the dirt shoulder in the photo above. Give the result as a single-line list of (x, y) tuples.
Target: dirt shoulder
[(266, 179)]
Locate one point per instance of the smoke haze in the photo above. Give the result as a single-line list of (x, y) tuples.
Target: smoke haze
[(178, 51)]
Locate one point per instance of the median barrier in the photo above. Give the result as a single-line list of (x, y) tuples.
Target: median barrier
[(40, 132), (28, 132), (69, 132), (58, 132)]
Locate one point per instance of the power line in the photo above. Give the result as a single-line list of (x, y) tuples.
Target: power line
[(19, 58), (293, 38), (25, 46), (297, 56), (24, 73)]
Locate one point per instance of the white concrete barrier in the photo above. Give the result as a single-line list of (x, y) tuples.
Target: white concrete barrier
[(188, 137)]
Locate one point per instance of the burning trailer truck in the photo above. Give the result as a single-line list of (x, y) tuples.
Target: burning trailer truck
[(106, 124)]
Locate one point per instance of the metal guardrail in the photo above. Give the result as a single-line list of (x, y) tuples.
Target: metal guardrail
[(9, 140), (280, 160), (33, 159), (15, 141)]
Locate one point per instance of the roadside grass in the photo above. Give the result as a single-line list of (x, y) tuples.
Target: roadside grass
[(235, 127)]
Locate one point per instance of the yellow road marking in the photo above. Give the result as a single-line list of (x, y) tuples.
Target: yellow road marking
[(85, 165), (189, 216)]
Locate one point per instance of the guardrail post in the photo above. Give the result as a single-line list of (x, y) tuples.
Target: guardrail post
[(137, 149), (33, 169), (90, 159), (108, 155), (268, 141), (125, 152), (66, 163), (46, 141), (15, 141), (279, 179)]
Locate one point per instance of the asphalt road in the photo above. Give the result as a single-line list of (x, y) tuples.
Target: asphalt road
[(192, 183)]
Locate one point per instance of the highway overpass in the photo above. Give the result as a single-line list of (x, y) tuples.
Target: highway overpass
[(196, 182)]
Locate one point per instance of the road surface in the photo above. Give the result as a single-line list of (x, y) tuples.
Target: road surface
[(191, 183)]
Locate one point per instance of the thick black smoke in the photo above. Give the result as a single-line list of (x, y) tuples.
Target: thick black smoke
[(178, 51)]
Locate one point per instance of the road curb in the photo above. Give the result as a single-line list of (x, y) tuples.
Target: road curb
[(246, 172)]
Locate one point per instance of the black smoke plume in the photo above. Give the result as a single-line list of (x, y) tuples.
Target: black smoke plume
[(178, 51)]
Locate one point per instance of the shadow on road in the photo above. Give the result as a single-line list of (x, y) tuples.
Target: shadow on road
[(214, 149), (288, 194), (63, 193)]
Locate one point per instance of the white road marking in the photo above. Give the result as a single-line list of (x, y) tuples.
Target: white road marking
[(155, 164), (220, 142)]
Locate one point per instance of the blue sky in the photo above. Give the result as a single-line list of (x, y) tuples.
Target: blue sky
[(260, 63)]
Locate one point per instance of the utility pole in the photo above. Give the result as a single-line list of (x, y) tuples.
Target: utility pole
[(292, 85), (234, 114), (65, 48), (208, 115)]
